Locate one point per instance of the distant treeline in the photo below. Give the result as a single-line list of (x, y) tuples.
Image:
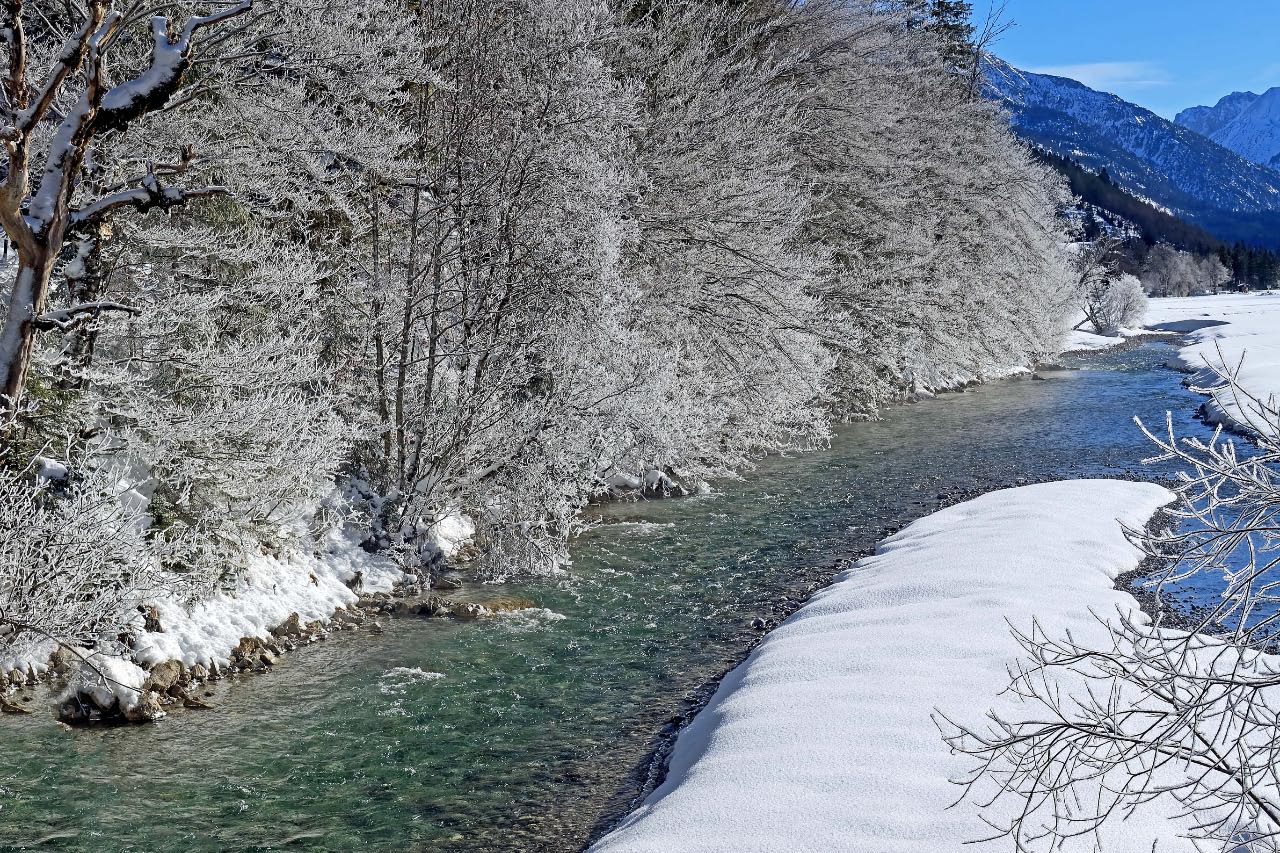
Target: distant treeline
[(1255, 266)]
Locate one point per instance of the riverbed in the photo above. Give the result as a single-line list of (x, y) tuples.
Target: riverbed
[(532, 732)]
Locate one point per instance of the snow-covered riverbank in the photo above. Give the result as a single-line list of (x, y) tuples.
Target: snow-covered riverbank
[(824, 738), (1240, 326)]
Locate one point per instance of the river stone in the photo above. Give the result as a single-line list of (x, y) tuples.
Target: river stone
[(246, 653), (508, 604), (291, 627), (444, 583), (147, 710), (7, 707), (192, 702), (468, 610), (199, 672), (425, 605), (164, 676)]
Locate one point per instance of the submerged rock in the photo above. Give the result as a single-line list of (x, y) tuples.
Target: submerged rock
[(507, 604), (468, 610), (424, 605), (7, 707)]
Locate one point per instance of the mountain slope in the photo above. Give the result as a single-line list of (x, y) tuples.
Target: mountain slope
[(1246, 123), (1146, 155)]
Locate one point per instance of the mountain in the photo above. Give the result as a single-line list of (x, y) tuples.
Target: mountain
[(1150, 157), (1101, 206), (1246, 123)]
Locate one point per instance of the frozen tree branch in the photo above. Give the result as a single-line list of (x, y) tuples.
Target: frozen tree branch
[(67, 319)]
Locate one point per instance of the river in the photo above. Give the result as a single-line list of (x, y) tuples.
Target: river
[(526, 732)]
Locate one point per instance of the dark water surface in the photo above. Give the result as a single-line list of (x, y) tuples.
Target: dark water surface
[(523, 733)]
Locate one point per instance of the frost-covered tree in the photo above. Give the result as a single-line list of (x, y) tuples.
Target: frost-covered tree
[(1170, 272), (1107, 298), (937, 227), (725, 279), (491, 282), (59, 98)]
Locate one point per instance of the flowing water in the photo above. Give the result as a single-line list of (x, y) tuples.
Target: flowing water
[(526, 732)]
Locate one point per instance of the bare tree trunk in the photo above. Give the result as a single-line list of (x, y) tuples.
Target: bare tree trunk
[(26, 304)]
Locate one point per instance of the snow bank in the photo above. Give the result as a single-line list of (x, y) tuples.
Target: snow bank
[(29, 657), (271, 589), (107, 680), (451, 533), (1242, 324), (822, 740), (1082, 341)]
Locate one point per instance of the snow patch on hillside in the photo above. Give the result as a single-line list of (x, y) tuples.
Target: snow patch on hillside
[(823, 739)]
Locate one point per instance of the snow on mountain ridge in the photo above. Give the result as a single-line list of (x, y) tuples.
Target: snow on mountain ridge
[(1247, 123), (1145, 154), (1207, 121)]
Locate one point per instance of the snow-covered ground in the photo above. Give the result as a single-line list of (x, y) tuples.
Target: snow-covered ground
[(269, 592), (824, 740), (314, 584), (1082, 341), (1247, 326)]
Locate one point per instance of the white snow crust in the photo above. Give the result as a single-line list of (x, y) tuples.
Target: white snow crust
[(823, 739), (106, 680)]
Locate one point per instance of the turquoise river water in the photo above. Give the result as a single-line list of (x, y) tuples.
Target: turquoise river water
[(532, 732)]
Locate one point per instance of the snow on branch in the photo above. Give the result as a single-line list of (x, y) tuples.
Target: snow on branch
[(170, 57), (69, 318), (149, 196)]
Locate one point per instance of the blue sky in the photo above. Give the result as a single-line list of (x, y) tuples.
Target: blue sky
[(1162, 54)]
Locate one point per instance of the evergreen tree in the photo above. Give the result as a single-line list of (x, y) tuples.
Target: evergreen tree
[(952, 20)]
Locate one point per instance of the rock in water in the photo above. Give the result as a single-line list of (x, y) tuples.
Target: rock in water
[(148, 709), (466, 611), (165, 675), (7, 707)]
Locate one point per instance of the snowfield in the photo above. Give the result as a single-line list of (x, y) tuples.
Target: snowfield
[(1240, 324), (824, 739)]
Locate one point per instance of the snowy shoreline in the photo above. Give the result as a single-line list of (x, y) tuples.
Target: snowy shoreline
[(792, 749), (286, 600), (281, 602), (1240, 327)]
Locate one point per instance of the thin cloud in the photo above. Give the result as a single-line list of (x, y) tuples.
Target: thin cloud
[(1111, 75)]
